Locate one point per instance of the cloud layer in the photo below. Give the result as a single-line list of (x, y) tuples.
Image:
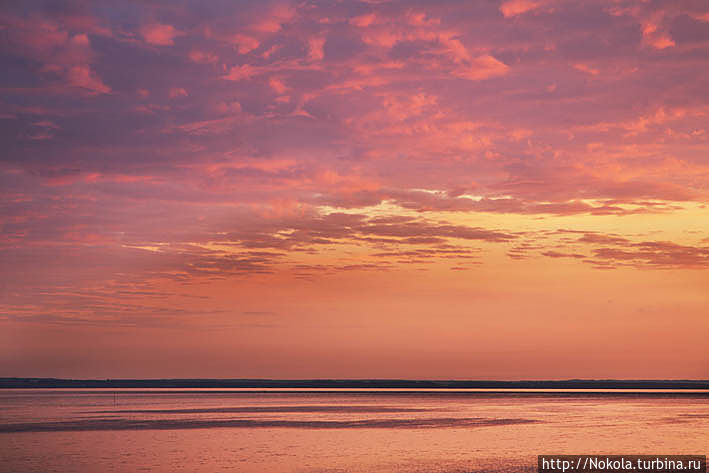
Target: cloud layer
[(153, 147)]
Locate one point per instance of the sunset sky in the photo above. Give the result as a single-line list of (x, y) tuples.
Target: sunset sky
[(354, 189)]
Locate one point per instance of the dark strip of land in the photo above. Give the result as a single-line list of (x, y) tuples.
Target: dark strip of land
[(350, 383)]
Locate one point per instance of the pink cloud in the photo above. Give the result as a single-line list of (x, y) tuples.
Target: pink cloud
[(237, 73), (61, 53), (277, 85), (84, 78), (278, 15), (203, 57), (176, 92), (653, 21), (420, 18), (511, 8), (244, 43), (315, 48), (80, 40), (47, 124), (364, 21), (656, 38), (481, 68), (229, 107), (205, 127), (159, 34), (587, 69)]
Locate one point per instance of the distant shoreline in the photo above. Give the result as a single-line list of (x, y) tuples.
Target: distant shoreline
[(10, 383)]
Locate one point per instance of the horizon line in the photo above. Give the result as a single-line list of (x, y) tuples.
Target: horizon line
[(359, 383)]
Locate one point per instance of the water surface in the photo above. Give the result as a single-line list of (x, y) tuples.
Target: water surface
[(240, 430)]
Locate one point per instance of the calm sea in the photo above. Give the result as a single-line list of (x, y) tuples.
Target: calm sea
[(166, 430)]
